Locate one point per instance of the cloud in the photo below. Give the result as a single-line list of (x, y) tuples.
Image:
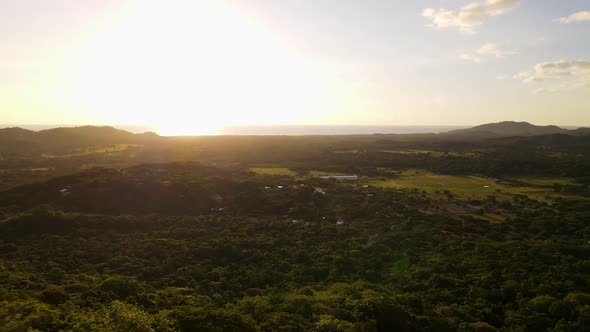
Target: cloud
[(492, 49), (486, 50), (468, 18), (560, 75), (470, 57), (575, 17)]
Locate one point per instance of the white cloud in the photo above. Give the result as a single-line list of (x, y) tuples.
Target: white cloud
[(470, 57), (486, 50), (492, 49), (521, 76), (575, 17), (470, 16), (560, 75)]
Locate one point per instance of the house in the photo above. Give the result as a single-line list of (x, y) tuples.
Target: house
[(341, 177), (319, 191)]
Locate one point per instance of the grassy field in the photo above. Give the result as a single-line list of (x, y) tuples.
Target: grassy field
[(89, 151), (39, 169), (273, 171), (347, 151), (287, 172), (110, 149), (324, 173), (461, 186), (431, 183), (472, 186)]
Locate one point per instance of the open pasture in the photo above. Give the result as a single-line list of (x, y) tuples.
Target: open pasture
[(472, 186), (283, 171)]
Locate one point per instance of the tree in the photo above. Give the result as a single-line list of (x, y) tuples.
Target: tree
[(125, 317), (54, 295)]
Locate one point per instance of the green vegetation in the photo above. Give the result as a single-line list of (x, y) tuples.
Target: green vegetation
[(347, 151), (434, 153), (400, 266), (93, 150), (433, 183), (473, 186), (39, 169), (546, 182), (242, 234)]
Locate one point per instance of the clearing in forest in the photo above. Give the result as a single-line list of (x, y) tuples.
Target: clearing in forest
[(472, 186), (273, 171)]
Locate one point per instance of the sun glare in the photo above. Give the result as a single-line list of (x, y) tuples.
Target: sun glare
[(189, 67)]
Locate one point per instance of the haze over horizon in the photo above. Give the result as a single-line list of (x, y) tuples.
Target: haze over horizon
[(211, 64)]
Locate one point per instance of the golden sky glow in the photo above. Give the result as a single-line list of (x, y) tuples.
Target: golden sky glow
[(189, 67), (201, 65)]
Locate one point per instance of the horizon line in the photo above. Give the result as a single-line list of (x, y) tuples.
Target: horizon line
[(12, 125)]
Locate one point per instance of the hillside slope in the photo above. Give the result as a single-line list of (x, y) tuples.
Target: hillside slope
[(20, 140), (511, 128)]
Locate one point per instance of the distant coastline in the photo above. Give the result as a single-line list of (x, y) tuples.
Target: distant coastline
[(289, 130), (333, 130)]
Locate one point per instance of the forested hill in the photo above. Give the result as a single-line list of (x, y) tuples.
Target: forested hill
[(18, 139), (511, 128)]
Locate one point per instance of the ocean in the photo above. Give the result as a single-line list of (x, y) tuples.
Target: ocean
[(333, 130), (293, 130)]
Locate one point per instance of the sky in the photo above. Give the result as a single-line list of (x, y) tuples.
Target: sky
[(188, 67)]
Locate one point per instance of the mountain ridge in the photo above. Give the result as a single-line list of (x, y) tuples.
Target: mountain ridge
[(15, 138), (513, 128)]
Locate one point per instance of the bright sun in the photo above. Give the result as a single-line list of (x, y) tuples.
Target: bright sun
[(188, 67)]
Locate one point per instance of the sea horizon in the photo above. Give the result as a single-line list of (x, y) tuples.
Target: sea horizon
[(287, 130)]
